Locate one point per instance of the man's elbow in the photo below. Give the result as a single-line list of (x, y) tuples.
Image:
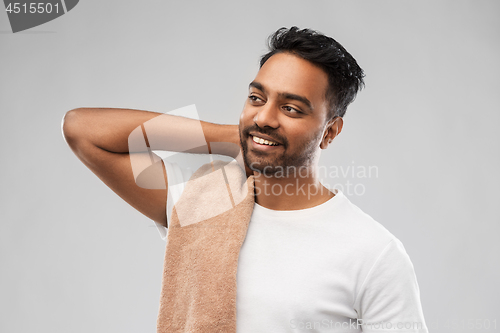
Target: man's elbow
[(70, 126)]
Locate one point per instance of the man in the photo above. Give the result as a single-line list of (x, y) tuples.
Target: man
[(311, 260)]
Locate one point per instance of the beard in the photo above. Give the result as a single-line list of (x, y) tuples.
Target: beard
[(277, 164)]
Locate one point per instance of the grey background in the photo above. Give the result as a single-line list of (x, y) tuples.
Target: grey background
[(76, 258)]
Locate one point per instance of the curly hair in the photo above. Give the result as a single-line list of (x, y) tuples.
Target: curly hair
[(345, 77)]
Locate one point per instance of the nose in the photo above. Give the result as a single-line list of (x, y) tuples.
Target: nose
[(267, 115)]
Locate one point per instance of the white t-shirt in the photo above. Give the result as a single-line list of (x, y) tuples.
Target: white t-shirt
[(329, 268)]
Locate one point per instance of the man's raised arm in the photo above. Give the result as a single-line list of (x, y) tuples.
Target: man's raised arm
[(116, 145)]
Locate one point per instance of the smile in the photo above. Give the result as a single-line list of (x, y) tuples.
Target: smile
[(264, 141)]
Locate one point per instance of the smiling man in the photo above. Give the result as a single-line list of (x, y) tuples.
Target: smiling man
[(284, 125), (311, 260)]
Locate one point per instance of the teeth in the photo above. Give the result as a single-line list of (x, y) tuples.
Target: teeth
[(263, 141)]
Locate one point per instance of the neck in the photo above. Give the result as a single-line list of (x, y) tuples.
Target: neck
[(290, 192)]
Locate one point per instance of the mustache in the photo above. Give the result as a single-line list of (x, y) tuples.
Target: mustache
[(266, 131)]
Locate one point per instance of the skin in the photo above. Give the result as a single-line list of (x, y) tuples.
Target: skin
[(287, 104), (99, 138)]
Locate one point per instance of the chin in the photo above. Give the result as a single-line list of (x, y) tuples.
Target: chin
[(264, 167)]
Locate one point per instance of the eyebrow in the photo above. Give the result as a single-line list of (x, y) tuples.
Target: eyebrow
[(284, 95)]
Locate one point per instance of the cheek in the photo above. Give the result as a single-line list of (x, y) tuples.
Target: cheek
[(246, 115), (305, 138)]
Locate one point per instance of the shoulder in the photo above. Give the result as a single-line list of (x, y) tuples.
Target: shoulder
[(361, 228), (366, 242)]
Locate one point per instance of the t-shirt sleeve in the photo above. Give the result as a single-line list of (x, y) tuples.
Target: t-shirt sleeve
[(177, 178), (389, 298)]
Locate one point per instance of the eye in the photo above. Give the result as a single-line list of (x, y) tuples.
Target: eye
[(292, 110), (254, 98)]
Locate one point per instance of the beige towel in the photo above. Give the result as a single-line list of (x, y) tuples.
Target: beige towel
[(208, 226)]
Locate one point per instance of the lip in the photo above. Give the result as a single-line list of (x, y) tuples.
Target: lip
[(265, 137)]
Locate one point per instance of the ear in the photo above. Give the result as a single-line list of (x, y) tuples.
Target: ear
[(332, 129)]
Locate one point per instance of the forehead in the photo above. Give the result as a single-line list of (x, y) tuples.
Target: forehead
[(288, 73)]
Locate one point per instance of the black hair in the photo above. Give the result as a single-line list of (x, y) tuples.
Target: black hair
[(345, 77)]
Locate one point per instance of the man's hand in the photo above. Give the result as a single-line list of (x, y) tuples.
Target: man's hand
[(225, 140)]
